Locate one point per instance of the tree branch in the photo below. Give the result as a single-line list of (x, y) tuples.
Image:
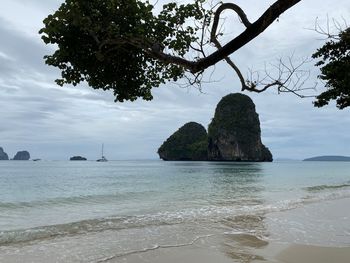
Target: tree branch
[(285, 72), (233, 7), (255, 29), (251, 32)]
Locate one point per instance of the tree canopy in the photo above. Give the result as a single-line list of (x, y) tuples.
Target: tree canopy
[(109, 44), (334, 62), (124, 46)]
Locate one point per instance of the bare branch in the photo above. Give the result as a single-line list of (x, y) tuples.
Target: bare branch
[(289, 77), (288, 74), (326, 30)]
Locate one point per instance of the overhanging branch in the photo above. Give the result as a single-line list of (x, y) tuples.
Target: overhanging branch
[(251, 32)]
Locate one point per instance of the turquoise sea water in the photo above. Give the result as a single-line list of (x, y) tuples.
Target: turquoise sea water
[(128, 206)]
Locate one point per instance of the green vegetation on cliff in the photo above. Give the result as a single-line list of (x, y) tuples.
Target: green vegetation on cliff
[(189, 143), (234, 133), (235, 113)]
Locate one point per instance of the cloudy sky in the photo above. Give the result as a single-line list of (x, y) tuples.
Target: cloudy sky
[(55, 123)]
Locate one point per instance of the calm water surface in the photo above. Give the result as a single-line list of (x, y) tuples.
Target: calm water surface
[(128, 206)]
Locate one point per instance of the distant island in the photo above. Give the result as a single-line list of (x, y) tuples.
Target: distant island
[(77, 158), (233, 135), (22, 156), (330, 158), (3, 155)]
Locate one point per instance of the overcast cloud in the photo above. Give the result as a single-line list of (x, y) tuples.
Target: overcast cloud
[(55, 123)]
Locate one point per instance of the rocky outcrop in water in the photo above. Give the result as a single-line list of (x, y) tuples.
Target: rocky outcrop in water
[(234, 133), (22, 156), (77, 158), (3, 155), (189, 143)]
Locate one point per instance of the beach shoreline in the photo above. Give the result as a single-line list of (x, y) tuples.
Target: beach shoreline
[(251, 249), (231, 247), (276, 247)]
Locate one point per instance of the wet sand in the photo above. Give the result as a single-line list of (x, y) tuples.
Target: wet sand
[(291, 254), (245, 248), (184, 255), (314, 254)]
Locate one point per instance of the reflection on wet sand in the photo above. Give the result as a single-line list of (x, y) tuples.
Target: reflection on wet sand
[(245, 239)]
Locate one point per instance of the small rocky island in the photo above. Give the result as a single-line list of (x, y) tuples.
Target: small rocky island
[(189, 143), (22, 156), (3, 155), (234, 135), (77, 158)]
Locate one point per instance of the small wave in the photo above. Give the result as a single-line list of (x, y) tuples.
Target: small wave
[(45, 232), (318, 188), (89, 199), (72, 229), (205, 214), (209, 213)]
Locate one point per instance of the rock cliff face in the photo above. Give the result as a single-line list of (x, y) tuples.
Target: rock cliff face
[(22, 156), (3, 155), (234, 133), (189, 143)]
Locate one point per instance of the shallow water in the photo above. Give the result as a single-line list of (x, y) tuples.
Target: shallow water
[(88, 211)]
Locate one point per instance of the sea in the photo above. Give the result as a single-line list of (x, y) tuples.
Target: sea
[(60, 211)]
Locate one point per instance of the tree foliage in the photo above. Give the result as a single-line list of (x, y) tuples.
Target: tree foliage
[(103, 42), (334, 62), (123, 46)]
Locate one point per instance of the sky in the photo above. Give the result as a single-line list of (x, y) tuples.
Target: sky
[(55, 123)]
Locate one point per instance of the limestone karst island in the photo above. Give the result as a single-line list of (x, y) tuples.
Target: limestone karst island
[(3, 155), (233, 135), (19, 156)]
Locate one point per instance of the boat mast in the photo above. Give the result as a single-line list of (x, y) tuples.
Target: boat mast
[(102, 149)]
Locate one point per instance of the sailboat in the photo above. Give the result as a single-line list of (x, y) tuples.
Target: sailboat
[(103, 159)]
